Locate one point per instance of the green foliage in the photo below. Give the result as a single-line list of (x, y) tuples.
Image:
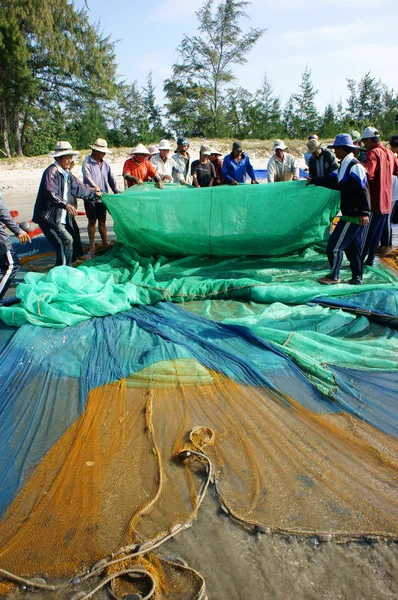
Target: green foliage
[(50, 54), (206, 61), (300, 115)]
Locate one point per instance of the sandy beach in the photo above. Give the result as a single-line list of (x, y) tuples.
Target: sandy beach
[(255, 567)]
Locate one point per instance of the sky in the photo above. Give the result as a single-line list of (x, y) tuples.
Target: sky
[(336, 40)]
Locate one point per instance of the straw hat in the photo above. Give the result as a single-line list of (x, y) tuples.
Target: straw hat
[(101, 145), (216, 152), (279, 145), (205, 150), (140, 149), (63, 149), (164, 145), (313, 145)]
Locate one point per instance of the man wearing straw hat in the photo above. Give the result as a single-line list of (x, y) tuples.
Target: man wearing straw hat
[(281, 166), (97, 173), (322, 162), (138, 169), (165, 165), (54, 209)]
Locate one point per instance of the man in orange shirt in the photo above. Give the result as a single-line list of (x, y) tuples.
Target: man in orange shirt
[(137, 169)]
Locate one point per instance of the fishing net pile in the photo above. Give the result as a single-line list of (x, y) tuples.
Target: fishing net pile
[(199, 351)]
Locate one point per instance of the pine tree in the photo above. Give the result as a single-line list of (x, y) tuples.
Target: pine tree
[(206, 60), (306, 113), (49, 54)]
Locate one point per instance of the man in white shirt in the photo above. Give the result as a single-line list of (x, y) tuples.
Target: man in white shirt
[(166, 166), (182, 159), (281, 166)]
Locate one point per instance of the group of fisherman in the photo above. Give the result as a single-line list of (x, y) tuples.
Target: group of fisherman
[(364, 178)]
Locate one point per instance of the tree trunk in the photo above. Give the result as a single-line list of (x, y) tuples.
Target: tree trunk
[(18, 136), (4, 127)]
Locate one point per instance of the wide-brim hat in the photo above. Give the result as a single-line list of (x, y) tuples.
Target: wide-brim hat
[(63, 149), (343, 139), (313, 145), (279, 145), (101, 145), (214, 151), (164, 145), (140, 149)]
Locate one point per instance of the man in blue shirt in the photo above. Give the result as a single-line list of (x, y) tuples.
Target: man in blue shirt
[(236, 165), (97, 174)]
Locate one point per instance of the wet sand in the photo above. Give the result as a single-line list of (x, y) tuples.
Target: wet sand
[(235, 564)]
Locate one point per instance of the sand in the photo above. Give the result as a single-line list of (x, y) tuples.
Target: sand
[(236, 565)]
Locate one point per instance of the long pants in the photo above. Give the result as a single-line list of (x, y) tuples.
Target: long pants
[(9, 267), (372, 236), (61, 237), (386, 236), (77, 242), (346, 237)]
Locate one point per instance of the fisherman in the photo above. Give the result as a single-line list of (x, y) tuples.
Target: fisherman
[(9, 261), (137, 169), (352, 182), (282, 166), (322, 161), (97, 173), (381, 164), (54, 209), (307, 155), (182, 158), (386, 246), (202, 170), (217, 164), (236, 165), (165, 165), (359, 153)]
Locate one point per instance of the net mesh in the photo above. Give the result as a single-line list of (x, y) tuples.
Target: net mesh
[(113, 428)]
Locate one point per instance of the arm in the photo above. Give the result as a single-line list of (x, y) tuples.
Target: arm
[(250, 170), (270, 171), (51, 184), (177, 173), (212, 175), (360, 190), (333, 162), (329, 181), (224, 170), (112, 182), (295, 168), (194, 175), (78, 189), (371, 163)]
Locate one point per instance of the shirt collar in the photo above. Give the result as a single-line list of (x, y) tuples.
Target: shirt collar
[(60, 169)]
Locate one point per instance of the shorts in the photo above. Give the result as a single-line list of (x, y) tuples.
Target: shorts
[(95, 210)]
